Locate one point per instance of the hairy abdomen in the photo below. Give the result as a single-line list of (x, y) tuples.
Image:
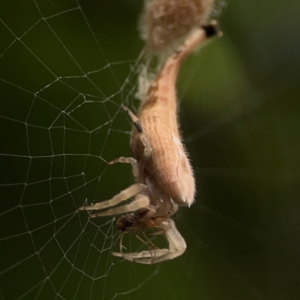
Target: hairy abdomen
[(168, 163)]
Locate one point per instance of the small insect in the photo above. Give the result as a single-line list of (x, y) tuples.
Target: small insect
[(162, 173)]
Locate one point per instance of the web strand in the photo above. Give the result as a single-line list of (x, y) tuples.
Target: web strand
[(66, 122)]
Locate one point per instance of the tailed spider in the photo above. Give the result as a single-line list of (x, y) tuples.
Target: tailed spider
[(162, 173)]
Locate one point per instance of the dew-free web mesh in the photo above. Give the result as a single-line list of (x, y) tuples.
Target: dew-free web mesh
[(65, 69)]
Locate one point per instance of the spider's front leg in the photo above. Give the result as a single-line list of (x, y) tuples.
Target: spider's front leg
[(142, 137), (128, 160), (132, 191), (137, 167)]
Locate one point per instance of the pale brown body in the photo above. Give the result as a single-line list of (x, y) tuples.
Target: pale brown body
[(162, 173), (168, 165)]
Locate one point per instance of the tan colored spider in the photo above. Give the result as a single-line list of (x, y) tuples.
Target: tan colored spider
[(161, 170)]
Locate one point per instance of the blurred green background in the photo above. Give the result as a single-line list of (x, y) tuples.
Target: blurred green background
[(65, 68)]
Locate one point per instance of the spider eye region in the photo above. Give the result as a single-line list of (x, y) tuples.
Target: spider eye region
[(124, 222), (128, 223)]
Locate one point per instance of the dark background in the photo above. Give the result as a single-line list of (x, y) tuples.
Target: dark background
[(65, 68)]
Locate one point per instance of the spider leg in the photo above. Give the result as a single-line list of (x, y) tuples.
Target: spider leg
[(143, 254), (158, 232), (142, 201), (123, 195), (177, 247), (128, 160), (139, 128), (121, 242), (156, 257), (147, 243)]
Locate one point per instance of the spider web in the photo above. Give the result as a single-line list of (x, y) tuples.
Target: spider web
[(65, 69), (61, 97)]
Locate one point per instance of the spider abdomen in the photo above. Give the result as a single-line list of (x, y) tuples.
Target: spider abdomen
[(171, 169), (168, 164)]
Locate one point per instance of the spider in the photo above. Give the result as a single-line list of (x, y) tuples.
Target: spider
[(162, 173)]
